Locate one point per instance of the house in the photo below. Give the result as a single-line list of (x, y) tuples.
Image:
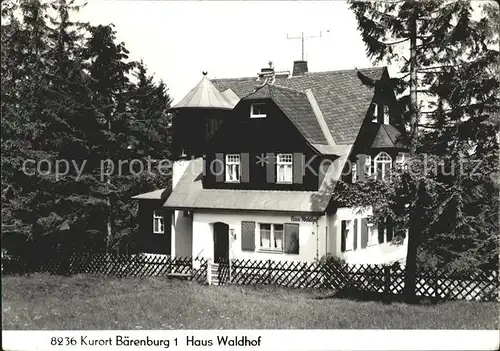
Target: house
[(257, 160)]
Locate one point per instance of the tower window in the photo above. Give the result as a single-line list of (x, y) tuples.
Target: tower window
[(258, 110)]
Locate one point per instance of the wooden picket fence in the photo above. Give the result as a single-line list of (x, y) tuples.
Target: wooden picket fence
[(379, 279), (382, 279), (118, 265)]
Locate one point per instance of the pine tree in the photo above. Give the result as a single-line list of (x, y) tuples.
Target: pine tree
[(25, 118), (43, 206), (109, 70)]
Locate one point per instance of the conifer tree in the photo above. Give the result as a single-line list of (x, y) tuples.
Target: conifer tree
[(439, 47)]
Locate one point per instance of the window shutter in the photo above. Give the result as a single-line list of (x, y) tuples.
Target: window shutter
[(247, 236), (364, 232), (381, 227), (389, 229), (291, 238), (368, 165), (245, 167), (355, 236), (343, 236), (219, 167), (270, 168), (360, 166), (298, 168)]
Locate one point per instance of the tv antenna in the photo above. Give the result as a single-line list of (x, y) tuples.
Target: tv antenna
[(303, 38)]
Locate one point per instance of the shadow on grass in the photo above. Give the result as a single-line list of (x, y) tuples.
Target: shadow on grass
[(363, 295)]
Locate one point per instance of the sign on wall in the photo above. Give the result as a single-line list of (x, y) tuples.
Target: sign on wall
[(310, 219)]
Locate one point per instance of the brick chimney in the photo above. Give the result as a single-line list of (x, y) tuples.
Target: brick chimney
[(299, 68), (266, 72)]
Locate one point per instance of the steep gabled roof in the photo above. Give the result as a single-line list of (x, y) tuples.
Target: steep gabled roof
[(295, 105), (341, 96)]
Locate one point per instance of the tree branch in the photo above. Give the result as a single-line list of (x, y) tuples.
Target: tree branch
[(396, 42)]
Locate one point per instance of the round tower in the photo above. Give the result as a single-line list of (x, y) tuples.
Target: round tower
[(196, 118)]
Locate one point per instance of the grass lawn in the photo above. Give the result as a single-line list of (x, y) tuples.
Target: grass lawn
[(84, 302)]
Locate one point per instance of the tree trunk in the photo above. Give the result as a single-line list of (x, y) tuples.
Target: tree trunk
[(413, 230), (109, 228), (414, 108)]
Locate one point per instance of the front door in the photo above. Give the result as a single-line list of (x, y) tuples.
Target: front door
[(221, 242)]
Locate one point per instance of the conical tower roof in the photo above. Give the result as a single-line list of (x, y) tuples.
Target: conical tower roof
[(205, 95)]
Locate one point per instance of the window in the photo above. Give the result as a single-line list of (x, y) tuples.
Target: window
[(158, 222), (353, 173), (233, 168), (372, 237), (284, 167), (258, 110), (386, 114), (382, 165), (210, 128), (374, 109), (368, 165), (271, 236), (385, 230), (402, 161)]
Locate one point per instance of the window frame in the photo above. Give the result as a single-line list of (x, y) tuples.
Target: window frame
[(272, 231), (160, 218), (372, 234), (257, 115), (374, 107), (386, 119), (229, 164), (388, 161), (401, 161), (368, 165), (285, 165)]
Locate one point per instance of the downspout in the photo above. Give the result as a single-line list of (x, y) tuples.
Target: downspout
[(317, 240), (326, 234)]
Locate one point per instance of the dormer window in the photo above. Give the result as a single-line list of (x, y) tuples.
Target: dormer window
[(386, 114), (374, 109), (258, 110), (233, 168)]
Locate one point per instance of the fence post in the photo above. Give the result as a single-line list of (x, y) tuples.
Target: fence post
[(209, 271), (268, 273), (436, 286), (387, 279)]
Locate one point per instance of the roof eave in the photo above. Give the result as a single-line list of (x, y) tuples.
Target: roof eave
[(190, 208)]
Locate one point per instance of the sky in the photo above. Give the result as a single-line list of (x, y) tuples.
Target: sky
[(179, 39)]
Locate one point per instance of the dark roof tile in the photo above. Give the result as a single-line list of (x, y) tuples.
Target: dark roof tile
[(341, 96)]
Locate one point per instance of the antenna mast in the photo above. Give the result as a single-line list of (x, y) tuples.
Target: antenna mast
[(302, 38)]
